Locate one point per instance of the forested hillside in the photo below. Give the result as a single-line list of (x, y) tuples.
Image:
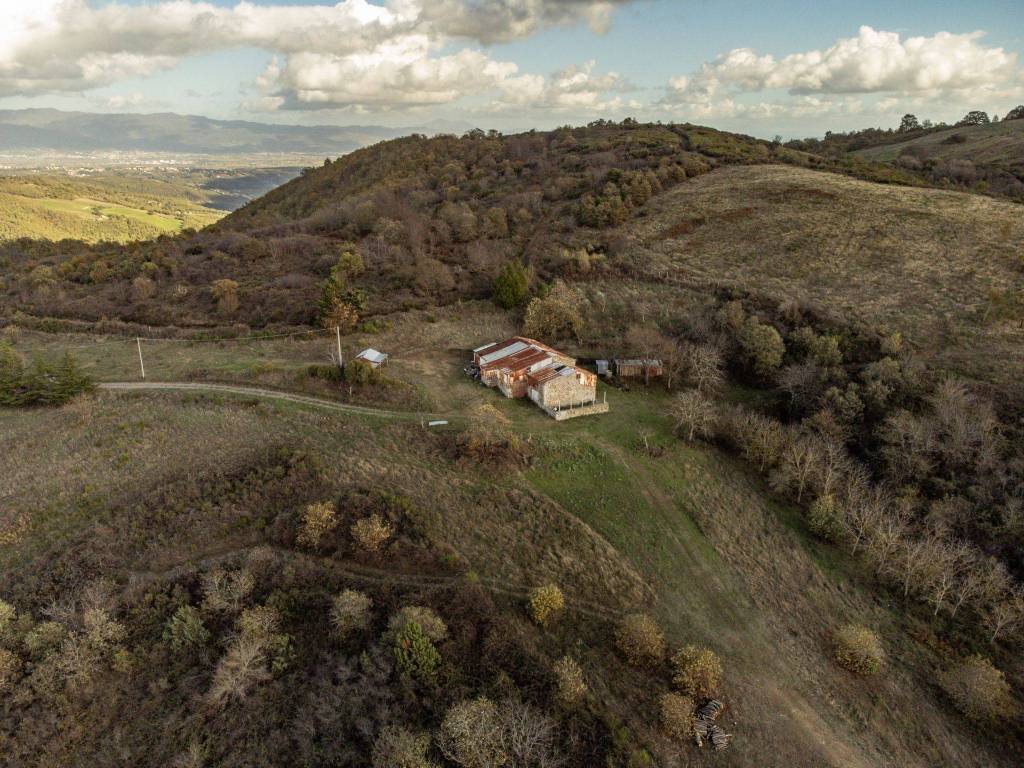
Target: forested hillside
[(814, 513), (433, 219)]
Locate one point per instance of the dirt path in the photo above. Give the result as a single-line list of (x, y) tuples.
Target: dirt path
[(369, 574), (268, 394)]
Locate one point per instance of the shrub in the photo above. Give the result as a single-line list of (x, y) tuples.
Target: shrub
[(762, 345), (242, 668), (570, 685), (641, 640), (977, 689), (102, 632), (318, 520), (350, 612), (185, 629), (823, 520), (431, 624), (260, 622), (858, 649), (143, 288), (471, 734), (226, 294), (511, 284), (556, 315), (676, 715), (44, 638), (8, 614), (10, 667), (546, 603), (40, 383), (415, 654), (398, 747), (696, 671), (225, 592), (360, 373), (371, 532)]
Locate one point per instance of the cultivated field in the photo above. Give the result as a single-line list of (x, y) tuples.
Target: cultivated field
[(944, 268)]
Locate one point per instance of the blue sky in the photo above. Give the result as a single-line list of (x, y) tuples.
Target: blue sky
[(793, 68)]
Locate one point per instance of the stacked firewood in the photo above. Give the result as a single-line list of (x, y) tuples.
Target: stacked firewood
[(705, 728)]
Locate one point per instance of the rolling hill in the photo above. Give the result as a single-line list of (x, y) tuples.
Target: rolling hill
[(51, 129), (998, 144), (219, 578), (104, 207)]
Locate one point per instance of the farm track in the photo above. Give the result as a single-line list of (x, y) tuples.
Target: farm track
[(369, 574), (268, 394)]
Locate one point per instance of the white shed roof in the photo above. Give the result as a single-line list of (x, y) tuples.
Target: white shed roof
[(372, 355)]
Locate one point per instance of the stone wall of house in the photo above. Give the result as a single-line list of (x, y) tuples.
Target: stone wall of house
[(572, 413), (566, 391)]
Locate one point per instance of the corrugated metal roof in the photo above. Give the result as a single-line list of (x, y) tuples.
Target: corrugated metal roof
[(537, 378), (521, 359), (638, 362), (504, 350)]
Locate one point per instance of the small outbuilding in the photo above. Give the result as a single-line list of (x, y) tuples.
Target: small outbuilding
[(636, 367), (602, 368), (370, 355)]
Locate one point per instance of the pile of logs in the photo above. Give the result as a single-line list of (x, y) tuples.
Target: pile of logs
[(705, 728)]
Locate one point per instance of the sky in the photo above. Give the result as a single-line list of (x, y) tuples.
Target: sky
[(789, 67)]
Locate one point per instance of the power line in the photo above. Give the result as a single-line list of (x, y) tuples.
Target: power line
[(254, 337)]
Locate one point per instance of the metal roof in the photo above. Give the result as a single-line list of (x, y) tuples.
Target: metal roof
[(372, 355), (638, 361), (503, 350), (550, 372), (523, 358)]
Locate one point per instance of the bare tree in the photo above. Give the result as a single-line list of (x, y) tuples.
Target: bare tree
[(865, 508), (704, 366), (951, 560), (798, 460), (915, 563), (888, 528), (1005, 615), (694, 414)]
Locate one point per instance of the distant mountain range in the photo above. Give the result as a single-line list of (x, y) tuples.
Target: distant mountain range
[(53, 129)]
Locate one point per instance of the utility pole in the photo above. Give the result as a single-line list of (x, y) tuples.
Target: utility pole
[(142, 365), (337, 333)]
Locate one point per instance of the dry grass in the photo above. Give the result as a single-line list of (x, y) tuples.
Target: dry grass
[(923, 261), (689, 536)]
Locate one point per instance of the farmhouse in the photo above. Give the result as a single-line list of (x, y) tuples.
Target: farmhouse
[(522, 367)]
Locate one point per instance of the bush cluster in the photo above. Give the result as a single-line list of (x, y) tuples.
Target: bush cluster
[(640, 640), (546, 604), (858, 649)]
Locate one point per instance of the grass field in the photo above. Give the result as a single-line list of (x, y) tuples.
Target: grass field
[(942, 267), (56, 208), (998, 144)]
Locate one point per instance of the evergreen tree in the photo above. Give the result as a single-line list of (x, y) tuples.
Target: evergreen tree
[(511, 284)]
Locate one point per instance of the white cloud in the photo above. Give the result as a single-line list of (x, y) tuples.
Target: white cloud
[(399, 73), (350, 54), (124, 101), (575, 88), (873, 62)]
